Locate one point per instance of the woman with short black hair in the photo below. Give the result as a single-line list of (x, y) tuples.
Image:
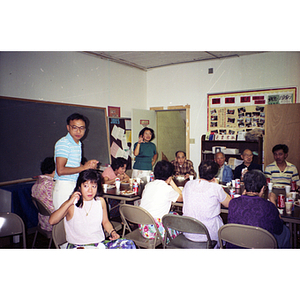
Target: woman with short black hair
[(202, 199)]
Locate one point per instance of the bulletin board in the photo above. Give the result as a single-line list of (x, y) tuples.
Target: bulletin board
[(120, 138), (231, 113)]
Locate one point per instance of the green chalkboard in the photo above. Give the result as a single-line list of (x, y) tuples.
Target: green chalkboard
[(29, 130)]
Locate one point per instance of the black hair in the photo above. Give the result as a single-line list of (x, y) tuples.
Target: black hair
[(48, 165), (254, 180), (284, 147), (118, 162), (163, 170), (179, 152), (89, 175), (76, 116), (150, 129), (208, 169)]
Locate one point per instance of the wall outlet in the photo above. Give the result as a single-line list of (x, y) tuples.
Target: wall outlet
[(192, 141)]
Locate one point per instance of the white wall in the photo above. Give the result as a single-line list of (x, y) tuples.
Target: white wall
[(72, 77), (190, 83)]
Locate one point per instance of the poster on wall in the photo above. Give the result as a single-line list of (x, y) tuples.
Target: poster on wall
[(230, 114)]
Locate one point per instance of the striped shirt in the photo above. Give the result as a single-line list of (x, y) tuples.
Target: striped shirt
[(66, 147), (282, 178)]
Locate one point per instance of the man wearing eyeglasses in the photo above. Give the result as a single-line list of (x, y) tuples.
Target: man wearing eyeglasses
[(247, 165), (68, 155)]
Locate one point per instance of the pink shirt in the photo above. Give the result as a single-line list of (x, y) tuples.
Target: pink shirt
[(42, 190), (109, 172)]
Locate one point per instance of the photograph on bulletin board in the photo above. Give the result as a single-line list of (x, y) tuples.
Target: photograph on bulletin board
[(233, 113)]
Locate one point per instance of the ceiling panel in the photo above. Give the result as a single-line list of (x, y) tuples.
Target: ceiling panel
[(145, 60)]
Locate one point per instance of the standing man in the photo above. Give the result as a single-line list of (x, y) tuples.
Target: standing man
[(67, 156), (248, 164), (280, 171), (183, 166)]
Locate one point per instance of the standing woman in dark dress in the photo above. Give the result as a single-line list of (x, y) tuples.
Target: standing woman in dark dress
[(145, 153)]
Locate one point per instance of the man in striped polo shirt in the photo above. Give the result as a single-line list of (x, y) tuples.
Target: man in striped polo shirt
[(281, 172), (68, 155)]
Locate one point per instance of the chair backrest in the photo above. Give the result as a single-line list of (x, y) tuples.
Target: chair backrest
[(246, 236), (12, 224), (59, 234), (42, 208), (137, 215), (184, 224)]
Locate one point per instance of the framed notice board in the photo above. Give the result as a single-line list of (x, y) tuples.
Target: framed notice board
[(229, 113), (30, 129), (120, 138)]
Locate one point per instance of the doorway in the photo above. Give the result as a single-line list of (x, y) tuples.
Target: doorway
[(173, 130), (172, 120)]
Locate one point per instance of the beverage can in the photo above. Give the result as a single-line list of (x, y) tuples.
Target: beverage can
[(237, 183), (293, 186), (281, 201), (135, 187), (232, 193), (151, 176)]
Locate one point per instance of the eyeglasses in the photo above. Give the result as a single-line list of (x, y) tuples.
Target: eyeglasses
[(76, 128)]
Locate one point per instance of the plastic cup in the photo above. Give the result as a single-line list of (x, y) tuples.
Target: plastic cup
[(105, 187), (287, 189), (270, 186), (148, 178), (233, 183), (288, 207)]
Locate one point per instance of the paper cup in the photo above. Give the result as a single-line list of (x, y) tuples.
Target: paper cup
[(270, 186), (233, 183), (288, 207), (287, 189), (118, 184), (191, 177)]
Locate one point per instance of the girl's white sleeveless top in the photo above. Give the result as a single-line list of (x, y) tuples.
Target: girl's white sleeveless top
[(83, 228)]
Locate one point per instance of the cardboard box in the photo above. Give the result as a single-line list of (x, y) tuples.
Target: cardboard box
[(231, 151), (216, 149)]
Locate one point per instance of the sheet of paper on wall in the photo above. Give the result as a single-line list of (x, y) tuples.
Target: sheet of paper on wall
[(117, 151), (117, 132), (124, 142), (241, 135), (128, 124)]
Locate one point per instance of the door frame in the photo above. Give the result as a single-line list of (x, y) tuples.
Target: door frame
[(187, 124)]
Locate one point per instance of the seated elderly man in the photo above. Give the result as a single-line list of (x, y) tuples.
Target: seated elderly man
[(253, 210), (225, 173), (182, 165), (247, 165)]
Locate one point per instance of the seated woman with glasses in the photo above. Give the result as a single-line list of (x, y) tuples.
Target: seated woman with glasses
[(252, 209)]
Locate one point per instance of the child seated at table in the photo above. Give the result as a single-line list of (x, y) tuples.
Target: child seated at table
[(85, 213)]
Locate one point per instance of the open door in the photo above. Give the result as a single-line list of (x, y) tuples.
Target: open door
[(168, 133)]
